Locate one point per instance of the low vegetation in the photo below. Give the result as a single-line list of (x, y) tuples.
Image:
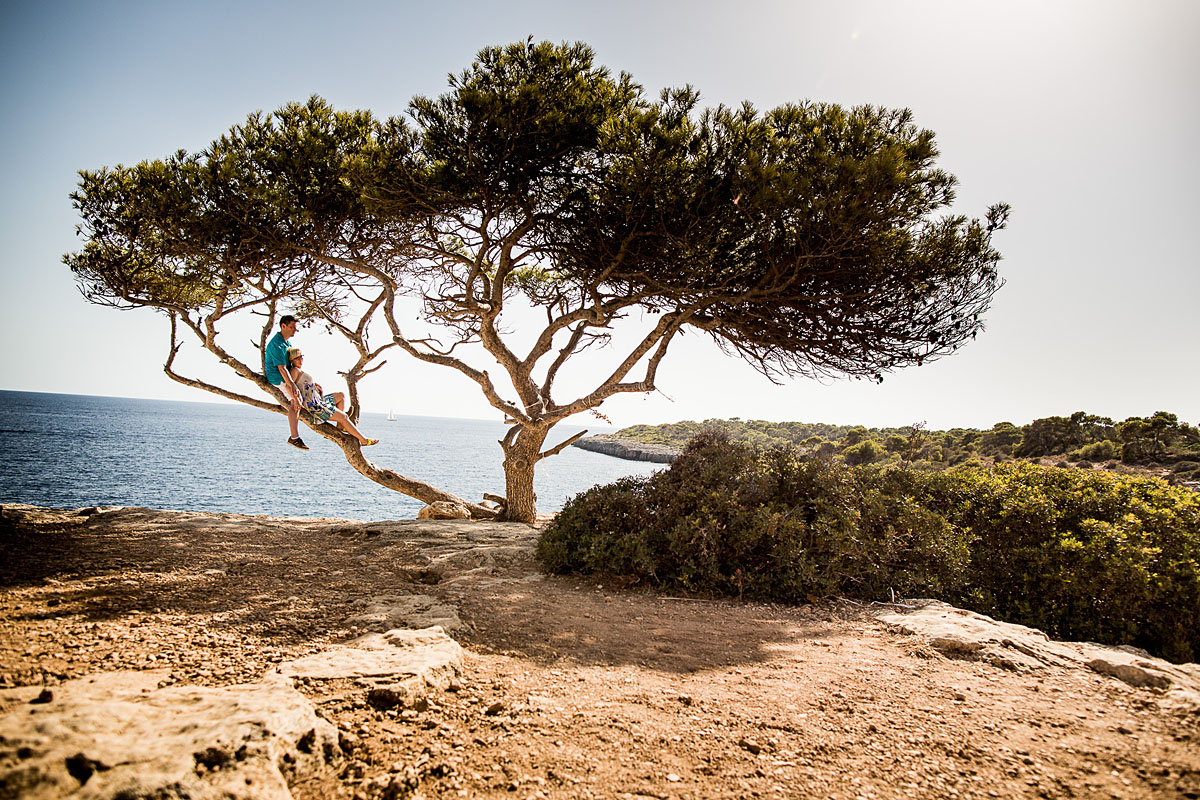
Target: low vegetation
[(1158, 444), (1081, 554)]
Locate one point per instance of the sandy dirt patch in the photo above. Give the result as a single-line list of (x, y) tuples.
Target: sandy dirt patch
[(569, 688)]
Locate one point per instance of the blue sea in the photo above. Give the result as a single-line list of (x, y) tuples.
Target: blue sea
[(69, 451)]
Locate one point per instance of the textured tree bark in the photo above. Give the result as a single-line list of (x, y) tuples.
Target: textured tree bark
[(394, 480), (521, 454)]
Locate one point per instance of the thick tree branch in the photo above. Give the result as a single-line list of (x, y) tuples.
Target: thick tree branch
[(558, 448), (480, 377), (169, 369), (656, 340)]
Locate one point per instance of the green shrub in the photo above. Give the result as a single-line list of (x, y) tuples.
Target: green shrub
[(866, 451), (727, 518), (1081, 554), (1096, 451), (621, 508)]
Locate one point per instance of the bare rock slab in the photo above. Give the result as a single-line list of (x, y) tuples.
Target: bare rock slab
[(116, 735), (399, 667), (965, 634), (388, 612), (444, 509)]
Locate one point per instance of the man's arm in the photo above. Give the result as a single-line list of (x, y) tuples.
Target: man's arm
[(291, 384)]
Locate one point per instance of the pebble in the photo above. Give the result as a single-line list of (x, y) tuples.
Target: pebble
[(750, 746)]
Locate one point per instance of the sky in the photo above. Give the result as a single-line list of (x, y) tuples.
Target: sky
[(1081, 115)]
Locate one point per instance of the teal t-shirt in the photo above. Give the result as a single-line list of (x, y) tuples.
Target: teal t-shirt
[(275, 357)]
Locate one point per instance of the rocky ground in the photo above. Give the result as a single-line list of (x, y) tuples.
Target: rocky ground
[(563, 688)]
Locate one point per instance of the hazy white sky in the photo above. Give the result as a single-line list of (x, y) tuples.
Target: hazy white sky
[(1082, 115)]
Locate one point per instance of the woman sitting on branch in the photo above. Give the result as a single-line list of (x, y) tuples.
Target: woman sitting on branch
[(323, 407)]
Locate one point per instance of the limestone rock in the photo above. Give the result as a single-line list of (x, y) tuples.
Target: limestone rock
[(38, 517), (444, 509), (478, 564), (408, 611), (400, 666), (964, 634), (629, 449), (118, 735)]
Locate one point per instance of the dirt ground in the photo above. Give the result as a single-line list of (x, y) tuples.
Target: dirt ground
[(570, 688)]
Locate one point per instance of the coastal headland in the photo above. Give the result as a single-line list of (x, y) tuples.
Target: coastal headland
[(148, 652), (629, 449)]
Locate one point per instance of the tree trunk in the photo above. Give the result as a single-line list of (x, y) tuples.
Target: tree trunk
[(520, 458)]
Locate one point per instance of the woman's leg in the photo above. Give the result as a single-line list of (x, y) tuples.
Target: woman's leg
[(345, 424), (339, 400)]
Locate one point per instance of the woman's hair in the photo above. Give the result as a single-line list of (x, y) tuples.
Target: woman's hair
[(293, 353)]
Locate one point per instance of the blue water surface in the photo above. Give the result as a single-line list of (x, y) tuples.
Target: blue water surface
[(68, 451)]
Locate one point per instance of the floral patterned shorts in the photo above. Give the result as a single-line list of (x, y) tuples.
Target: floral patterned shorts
[(323, 408)]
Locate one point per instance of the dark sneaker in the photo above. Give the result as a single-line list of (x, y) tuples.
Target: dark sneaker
[(298, 442)]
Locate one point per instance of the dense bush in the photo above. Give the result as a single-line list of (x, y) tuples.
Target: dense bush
[(1096, 451), (762, 523), (864, 452), (1081, 554)]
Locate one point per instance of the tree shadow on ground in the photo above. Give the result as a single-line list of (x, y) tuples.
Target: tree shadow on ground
[(29, 554), (264, 578), (272, 582), (568, 619)]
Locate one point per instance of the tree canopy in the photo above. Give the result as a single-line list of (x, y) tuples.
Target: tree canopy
[(805, 239)]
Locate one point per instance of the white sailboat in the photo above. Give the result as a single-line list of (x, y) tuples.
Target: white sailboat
[(391, 415)]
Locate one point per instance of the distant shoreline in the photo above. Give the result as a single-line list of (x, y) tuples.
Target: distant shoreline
[(628, 449), (212, 400)]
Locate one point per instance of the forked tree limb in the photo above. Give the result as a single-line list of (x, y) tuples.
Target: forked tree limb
[(349, 445)]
